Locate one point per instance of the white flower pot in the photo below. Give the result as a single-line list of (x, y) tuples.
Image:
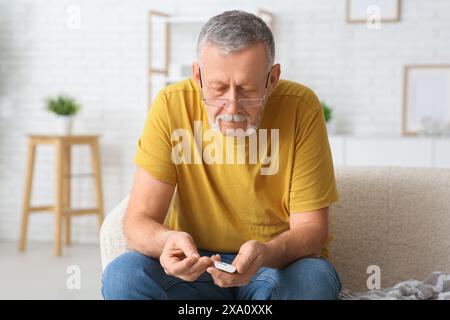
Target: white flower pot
[(65, 125)]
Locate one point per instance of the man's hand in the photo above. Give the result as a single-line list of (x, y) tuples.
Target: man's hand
[(249, 260), (181, 259)]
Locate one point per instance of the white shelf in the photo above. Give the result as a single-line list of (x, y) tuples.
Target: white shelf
[(390, 151)]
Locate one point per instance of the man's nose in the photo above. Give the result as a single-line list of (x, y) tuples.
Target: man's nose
[(233, 106)]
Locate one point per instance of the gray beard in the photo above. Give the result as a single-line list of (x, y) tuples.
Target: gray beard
[(251, 128)]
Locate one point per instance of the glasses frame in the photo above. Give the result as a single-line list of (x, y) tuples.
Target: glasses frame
[(238, 101)]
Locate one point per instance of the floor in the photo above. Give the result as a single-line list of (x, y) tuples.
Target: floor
[(38, 274)]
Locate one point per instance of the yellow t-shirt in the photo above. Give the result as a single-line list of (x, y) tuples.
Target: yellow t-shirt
[(222, 205)]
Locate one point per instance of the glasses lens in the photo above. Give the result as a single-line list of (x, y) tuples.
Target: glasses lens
[(219, 103), (249, 103), (222, 103)]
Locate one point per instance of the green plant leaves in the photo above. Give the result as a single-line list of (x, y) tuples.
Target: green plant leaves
[(63, 105), (327, 112)]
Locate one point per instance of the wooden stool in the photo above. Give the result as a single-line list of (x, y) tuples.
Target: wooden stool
[(62, 208)]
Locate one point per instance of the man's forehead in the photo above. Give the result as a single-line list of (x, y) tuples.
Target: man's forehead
[(245, 66), (226, 81), (214, 76)]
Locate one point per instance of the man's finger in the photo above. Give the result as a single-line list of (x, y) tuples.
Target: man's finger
[(200, 266), (216, 257), (198, 269), (183, 265), (221, 277), (243, 262), (215, 274)]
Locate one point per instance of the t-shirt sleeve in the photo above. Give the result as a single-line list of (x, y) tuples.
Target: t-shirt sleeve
[(313, 184), (154, 147)]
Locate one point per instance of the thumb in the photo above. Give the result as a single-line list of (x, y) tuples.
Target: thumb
[(245, 258), (242, 262)]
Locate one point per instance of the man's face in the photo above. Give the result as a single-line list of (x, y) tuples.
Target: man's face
[(239, 75)]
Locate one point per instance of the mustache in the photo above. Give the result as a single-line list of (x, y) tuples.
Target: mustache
[(231, 117)]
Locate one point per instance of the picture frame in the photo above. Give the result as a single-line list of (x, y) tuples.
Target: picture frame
[(357, 10), (426, 98), (154, 16)]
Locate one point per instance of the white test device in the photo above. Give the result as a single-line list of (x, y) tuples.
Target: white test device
[(224, 266)]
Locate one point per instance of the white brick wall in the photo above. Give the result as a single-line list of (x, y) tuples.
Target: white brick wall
[(356, 70)]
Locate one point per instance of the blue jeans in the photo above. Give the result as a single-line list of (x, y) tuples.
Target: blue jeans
[(133, 275)]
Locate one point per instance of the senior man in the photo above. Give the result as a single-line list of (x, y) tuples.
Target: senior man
[(206, 188)]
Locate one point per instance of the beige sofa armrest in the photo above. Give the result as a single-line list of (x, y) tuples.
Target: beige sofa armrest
[(112, 239)]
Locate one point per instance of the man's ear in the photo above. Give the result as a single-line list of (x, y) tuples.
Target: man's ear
[(196, 73), (274, 76)]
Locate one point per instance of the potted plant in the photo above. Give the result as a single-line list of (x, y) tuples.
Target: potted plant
[(328, 115), (65, 108)]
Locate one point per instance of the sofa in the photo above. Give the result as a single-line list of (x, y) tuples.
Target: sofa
[(394, 218)]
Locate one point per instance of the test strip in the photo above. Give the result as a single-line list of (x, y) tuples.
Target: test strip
[(225, 266)]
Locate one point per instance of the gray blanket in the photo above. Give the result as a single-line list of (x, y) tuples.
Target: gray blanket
[(436, 286)]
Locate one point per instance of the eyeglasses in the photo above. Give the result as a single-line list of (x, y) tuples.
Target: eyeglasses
[(243, 103)]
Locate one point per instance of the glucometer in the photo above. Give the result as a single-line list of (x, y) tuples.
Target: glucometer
[(225, 266)]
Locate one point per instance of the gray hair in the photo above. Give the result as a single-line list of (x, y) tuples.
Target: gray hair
[(235, 30)]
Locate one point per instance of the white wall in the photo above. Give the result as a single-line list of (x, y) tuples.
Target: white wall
[(356, 70)]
